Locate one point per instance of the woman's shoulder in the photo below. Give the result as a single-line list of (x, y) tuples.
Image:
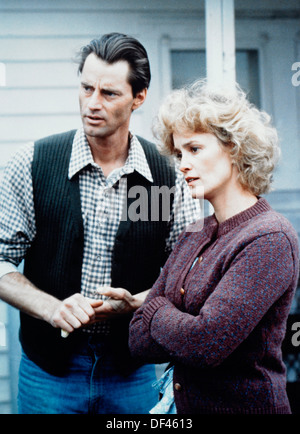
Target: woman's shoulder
[(274, 224)]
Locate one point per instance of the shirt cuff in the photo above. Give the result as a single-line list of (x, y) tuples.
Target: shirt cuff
[(7, 267), (151, 308)]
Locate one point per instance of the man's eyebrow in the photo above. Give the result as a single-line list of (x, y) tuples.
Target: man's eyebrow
[(84, 83), (110, 89), (107, 88)]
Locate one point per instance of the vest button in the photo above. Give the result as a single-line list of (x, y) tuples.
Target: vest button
[(182, 291), (177, 387)]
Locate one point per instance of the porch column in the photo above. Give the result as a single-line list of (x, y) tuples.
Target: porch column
[(220, 41), (2, 74)]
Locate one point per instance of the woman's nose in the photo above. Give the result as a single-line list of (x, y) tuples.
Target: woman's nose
[(185, 165)]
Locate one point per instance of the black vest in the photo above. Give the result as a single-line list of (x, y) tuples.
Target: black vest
[(54, 261)]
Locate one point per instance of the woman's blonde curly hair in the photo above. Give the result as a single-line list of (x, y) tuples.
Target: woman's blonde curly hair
[(226, 113)]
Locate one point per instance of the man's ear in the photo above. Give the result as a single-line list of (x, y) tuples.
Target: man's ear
[(139, 99)]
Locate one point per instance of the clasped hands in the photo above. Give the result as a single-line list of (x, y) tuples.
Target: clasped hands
[(77, 311)]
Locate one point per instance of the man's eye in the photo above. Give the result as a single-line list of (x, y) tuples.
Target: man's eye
[(87, 88), (109, 93)]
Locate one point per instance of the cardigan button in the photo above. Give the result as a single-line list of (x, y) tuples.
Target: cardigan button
[(200, 259), (182, 291), (177, 387)]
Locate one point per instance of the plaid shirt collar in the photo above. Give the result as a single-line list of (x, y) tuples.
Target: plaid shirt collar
[(81, 157)]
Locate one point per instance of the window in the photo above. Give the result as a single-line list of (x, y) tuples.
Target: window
[(190, 65)]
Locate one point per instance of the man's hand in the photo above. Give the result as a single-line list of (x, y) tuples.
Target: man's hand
[(119, 302), (74, 312)]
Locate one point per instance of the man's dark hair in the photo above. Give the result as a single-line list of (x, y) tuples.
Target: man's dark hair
[(114, 47)]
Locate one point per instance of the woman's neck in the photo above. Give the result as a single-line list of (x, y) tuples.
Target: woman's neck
[(231, 204)]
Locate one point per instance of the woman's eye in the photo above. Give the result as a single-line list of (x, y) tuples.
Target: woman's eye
[(178, 156), (194, 150)]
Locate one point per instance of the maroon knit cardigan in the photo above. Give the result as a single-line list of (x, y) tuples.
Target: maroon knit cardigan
[(222, 322)]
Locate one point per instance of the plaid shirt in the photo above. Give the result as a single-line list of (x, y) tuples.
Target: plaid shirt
[(102, 201)]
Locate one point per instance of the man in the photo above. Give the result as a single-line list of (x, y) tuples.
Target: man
[(68, 208)]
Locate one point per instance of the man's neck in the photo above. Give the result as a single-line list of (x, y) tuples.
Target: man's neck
[(110, 152)]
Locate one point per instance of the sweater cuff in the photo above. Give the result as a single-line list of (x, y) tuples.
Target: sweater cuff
[(151, 308)]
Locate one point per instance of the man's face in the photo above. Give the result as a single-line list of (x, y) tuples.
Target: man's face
[(105, 97)]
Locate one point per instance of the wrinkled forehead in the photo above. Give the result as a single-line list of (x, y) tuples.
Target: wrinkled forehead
[(99, 72)]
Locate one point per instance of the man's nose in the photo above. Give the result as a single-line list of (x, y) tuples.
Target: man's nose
[(95, 101)]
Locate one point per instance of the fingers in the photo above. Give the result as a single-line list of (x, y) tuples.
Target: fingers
[(119, 301), (74, 312), (95, 303), (77, 310), (115, 293)]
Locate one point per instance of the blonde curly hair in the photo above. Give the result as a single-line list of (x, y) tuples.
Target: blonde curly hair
[(240, 127)]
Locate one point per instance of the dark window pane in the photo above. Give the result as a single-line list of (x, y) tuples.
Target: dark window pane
[(190, 65)]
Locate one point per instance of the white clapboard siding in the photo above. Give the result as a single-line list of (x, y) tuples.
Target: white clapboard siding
[(30, 127), (16, 102), (39, 41), (45, 74), (28, 48), (64, 23)]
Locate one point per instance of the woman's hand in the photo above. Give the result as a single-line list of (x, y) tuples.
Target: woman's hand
[(119, 302)]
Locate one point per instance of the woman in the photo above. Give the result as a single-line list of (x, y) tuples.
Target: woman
[(218, 311)]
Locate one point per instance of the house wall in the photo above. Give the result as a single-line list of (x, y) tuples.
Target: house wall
[(38, 41)]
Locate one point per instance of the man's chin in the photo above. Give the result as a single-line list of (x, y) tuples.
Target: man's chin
[(94, 132)]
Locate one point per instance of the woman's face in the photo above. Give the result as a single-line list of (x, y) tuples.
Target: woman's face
[(205, 164)]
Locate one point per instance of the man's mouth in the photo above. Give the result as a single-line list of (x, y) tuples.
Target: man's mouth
[(94, 119)]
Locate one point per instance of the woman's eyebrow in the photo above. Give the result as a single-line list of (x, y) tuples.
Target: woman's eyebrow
[(185, 145)]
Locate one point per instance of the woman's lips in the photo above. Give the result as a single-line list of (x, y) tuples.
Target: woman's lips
[(191, 180)]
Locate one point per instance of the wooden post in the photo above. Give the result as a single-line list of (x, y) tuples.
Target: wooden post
[(2, 74), (220, 42), (220, 45)]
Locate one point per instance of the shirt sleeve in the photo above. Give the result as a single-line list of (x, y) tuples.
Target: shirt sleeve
[(230, 313), (17, 217), (7, 267), (185, 211)]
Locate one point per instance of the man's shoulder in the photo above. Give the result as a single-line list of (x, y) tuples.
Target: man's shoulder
[(52, 153), (64, 137), (161, 168), (48, 148), (152, 152), (148, 146), (144, 141)]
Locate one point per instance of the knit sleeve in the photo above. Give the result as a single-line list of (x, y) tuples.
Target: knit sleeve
[(142, 345), (258, 276)]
